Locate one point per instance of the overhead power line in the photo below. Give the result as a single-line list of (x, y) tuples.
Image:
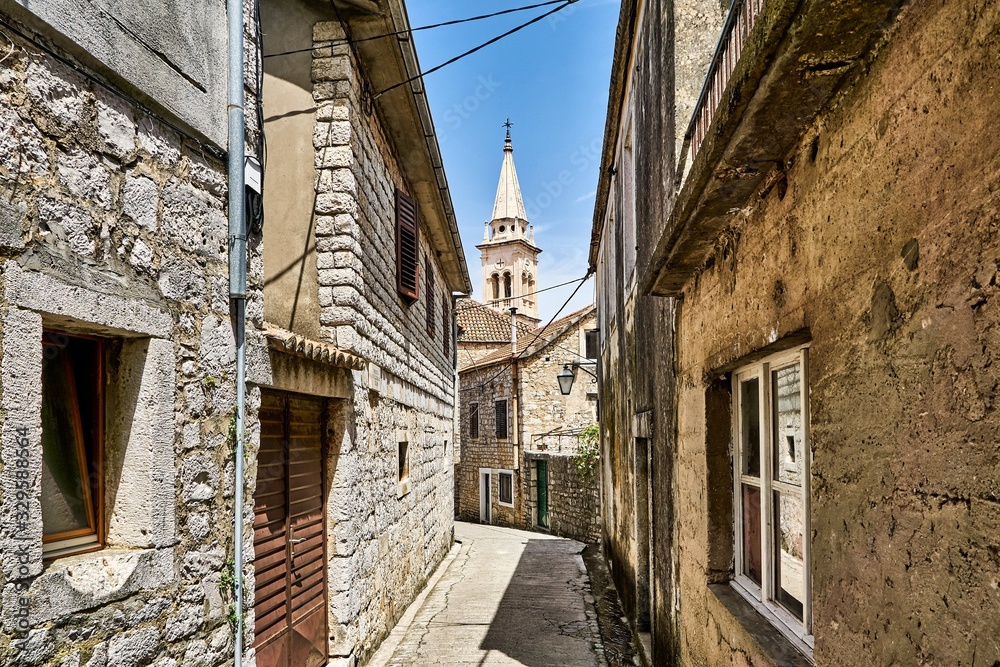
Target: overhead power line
[(510, 362), (395, 33), (496, 39)]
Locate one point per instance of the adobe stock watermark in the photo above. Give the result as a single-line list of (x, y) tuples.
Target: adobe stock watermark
[(22, 521), (462, 111), (585, 157), (563, 14)]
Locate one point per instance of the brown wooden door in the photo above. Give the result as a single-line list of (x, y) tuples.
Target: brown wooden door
[(289, 533)]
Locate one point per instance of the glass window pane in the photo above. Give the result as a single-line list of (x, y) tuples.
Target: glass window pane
[(789, 566), (65, 484), (750, 426), (506, 488), (787, 424), (751, 533)]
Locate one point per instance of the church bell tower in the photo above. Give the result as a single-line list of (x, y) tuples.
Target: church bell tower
[(508, 250)]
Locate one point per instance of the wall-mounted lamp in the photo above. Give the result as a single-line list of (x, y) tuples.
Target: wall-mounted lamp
[(565, 377)]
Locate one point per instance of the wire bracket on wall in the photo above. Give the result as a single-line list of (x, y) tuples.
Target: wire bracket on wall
[(367, 101)]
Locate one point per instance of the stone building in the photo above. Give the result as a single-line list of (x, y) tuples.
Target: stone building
[(797, 253), (118, 388), (518, 434), (117, 367), (361, 257)]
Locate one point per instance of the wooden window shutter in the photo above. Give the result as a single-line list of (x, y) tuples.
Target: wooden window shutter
[(501, 416), (474, 420), (407, 237), (445, 325), (429, 293)]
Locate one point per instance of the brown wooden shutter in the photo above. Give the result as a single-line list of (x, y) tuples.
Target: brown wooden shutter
[(429, 292), (407, 235), (474, 421), (501, 414), (445, 326)]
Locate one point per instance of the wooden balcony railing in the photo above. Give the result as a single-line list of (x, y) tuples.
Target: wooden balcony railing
[(739, 23)]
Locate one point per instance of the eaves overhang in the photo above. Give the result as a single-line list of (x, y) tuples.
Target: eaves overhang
[(406, 116), (624, 38), (796, 58)]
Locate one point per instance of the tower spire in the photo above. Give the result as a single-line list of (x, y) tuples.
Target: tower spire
[(509, 203)]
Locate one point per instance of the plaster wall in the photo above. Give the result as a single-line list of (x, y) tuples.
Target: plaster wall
[(885, 249), (171, 56)]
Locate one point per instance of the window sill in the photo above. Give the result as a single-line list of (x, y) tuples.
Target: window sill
[(72, 584), (503, 504), (402, 488), (775, 646)]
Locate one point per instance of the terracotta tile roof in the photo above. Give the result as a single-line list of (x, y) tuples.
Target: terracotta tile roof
[(300, 346), (479, 323), (531, 343)]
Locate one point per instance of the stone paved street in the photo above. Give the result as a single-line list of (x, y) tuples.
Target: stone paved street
[(506, 597)]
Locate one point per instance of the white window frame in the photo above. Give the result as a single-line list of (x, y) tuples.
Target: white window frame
[(798, 632), (500, 473), (626, 162)]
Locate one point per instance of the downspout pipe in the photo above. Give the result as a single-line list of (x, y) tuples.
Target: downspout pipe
[(237, 290)]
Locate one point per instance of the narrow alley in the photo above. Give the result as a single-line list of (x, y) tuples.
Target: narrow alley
[(503, 597)]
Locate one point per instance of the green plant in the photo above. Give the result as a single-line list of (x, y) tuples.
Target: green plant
[(589, 453)]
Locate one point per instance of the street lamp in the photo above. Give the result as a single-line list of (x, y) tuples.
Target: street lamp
[(566, 376)]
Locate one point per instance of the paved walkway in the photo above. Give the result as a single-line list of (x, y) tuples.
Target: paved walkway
[(506, 597)]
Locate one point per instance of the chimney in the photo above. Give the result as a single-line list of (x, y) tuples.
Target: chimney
[(513, 330)]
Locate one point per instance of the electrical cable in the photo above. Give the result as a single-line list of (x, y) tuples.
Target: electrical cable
[(544, 289), (207, 148), (538, 333), (395, 33), (421, 75), (12, 46)]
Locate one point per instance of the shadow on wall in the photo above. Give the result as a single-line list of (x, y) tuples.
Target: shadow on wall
[(541, 620)]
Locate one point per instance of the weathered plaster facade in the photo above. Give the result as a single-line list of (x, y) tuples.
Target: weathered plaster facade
[(874, 242)]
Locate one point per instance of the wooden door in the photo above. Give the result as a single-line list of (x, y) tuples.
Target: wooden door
[(485, 501), (289, 533), (543, 493)]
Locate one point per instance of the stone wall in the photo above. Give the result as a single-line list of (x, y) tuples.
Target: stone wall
[(574, 498), (484, 386), (884, 248), (113, 224)]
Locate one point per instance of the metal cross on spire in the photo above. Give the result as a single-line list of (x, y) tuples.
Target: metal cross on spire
[(508, 125)]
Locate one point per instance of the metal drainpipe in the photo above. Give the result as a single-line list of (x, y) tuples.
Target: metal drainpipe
[(237, 289)]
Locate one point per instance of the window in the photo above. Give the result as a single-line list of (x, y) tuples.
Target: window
[(429, 291), (591, 343), (72, 443), (407, 238), (628, 209), (474, 420), (500, 408), (506, 481), (771, 492), (403, 468)]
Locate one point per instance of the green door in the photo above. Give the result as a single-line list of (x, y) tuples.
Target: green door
[(543, 493)]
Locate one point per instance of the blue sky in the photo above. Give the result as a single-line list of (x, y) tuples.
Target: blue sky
[(552, 80)]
